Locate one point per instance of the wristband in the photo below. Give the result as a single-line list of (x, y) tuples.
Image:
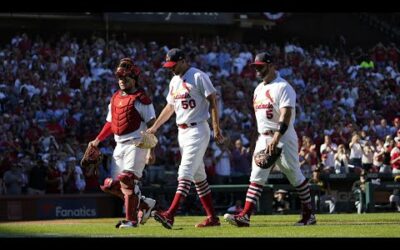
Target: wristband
[(282, 128)]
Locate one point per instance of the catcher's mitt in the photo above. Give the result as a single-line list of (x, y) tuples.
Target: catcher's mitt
[(264, 160), (92, 156), (148, 141)]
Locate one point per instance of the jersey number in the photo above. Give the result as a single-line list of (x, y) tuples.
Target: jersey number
[(186, 104), (269, 113)]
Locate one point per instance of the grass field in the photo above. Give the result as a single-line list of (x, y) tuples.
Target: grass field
[(334, 225)]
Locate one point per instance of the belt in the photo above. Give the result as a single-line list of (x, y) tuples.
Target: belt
[(128, 140), (185, 126), (269, 132)]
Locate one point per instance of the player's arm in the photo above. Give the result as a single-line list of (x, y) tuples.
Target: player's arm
[(151, 156), (166, 113), (105, 132), (214, 116), (284, 119)]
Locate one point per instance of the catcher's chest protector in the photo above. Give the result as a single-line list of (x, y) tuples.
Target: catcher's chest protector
[(125, 117)]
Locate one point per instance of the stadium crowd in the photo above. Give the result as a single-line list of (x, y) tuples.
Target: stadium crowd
[(54, 93)]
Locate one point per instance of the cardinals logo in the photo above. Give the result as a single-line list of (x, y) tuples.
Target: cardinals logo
[(183, 91), (263, 103), (269, 96)]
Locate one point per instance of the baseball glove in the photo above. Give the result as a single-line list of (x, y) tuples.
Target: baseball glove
[(92, 156), (148, 141), (264, 160)]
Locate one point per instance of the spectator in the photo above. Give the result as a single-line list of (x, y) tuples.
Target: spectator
[(37, 179), (328, 151), (280, 204), (324, 198), (395, 157), (54, 180), (240, 165), (358, 189), (46, 140), (237, 208), (305, 162), (73, 178), (341, 160), (209, 162), (378, 155), (383, 129), (91, 178), (367, 157), (355, 152), (386, 165), (395, 130), (222, 156), (13, 180)]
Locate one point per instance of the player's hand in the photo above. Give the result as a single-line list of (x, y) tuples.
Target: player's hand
[(151, 130), (271, 147), (94, 143), (150, 157), (219, 138)]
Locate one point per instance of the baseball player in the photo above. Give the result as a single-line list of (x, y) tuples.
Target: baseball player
[(190, 95), (274, 104), (130, 111)]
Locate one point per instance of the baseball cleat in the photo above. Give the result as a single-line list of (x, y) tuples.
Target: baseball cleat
[(127, 224), (237, 220), (209, 222), (165, 219), (307, 219)]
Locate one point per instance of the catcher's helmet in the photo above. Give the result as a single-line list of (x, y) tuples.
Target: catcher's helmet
[(126, 67)]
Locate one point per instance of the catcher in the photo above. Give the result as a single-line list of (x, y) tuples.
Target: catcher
[(130, 112)]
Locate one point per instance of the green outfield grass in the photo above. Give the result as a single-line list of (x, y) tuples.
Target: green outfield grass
[(335, 225)]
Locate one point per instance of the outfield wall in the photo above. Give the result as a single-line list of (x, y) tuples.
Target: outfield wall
[(54, 206)]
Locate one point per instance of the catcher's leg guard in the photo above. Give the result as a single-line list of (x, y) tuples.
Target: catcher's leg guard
[(112, 187), (131, 193), (146, 206)]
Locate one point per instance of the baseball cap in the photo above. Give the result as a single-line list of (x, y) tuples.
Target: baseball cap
[(262, 58), (282, 191), (173, 56)]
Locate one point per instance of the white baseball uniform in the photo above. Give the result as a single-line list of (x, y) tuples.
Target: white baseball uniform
[(126, 155), (267, 101), (189, 95)]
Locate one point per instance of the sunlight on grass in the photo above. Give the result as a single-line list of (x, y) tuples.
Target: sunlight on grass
[(335, 225)]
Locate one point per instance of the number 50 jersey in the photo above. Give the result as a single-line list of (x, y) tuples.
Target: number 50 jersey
[(189, 94)]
